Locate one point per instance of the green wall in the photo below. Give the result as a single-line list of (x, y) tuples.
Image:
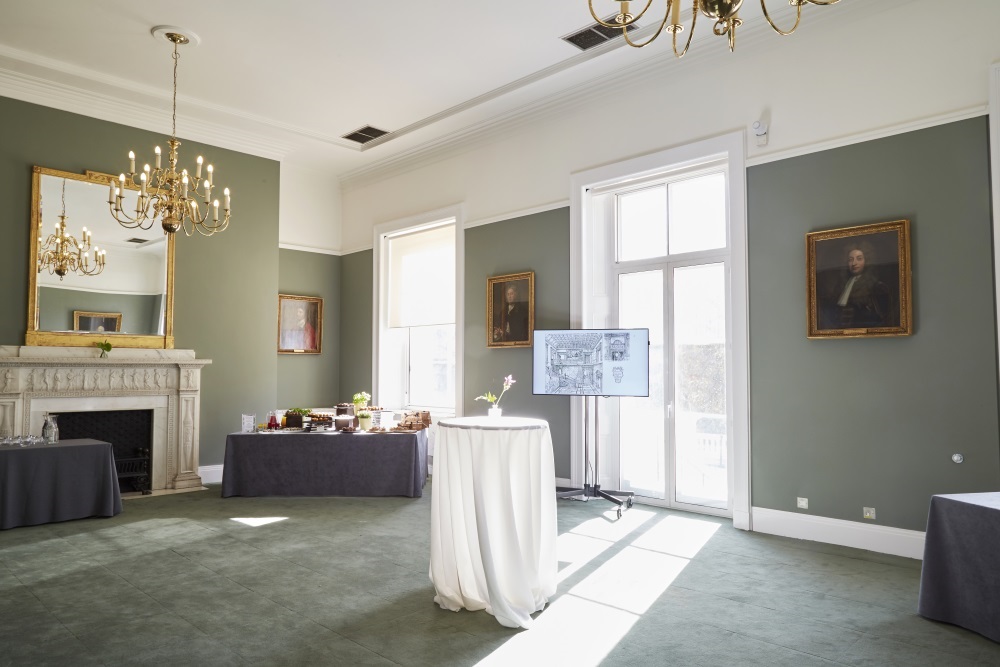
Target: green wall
[(874, 422), (311, 380), (140, 312), (538, 243), (225, 286), (356, 324)]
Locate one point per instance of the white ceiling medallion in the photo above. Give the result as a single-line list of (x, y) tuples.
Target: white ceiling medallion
[(162, 32)]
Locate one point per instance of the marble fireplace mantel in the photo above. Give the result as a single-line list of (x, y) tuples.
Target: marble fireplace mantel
[(35, 380)]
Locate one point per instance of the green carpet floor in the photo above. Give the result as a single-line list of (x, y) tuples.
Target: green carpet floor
[(180, 580)]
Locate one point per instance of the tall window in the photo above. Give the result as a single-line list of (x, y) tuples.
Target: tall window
[(417, 346)]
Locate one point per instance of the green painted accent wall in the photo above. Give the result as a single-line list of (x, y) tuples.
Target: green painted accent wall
[(874, 422), (311, 380), (140, 312), (225, 286), (539, 243), (355, 324)]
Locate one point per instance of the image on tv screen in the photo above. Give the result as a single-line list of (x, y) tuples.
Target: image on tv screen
[(591, 362)]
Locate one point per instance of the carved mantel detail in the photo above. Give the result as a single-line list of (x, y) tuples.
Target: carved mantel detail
[(34, 380)]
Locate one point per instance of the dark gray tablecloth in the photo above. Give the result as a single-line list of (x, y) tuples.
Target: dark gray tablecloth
[(72, 479), (325, 464), (960, 579)]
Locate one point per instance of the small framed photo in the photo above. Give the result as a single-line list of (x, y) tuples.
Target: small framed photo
[(859, 281), (510, 310), (300, 324), (96, 322)]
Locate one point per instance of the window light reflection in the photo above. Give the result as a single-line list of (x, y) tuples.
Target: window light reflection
[(582, 626), (259, 520)]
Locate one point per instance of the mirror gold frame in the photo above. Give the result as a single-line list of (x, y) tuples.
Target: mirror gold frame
[(83, 339)]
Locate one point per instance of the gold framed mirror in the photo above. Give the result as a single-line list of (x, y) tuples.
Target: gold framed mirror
[(137, 280)]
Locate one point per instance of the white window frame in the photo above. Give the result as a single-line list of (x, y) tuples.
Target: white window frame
[(380, 288), (591, 304)]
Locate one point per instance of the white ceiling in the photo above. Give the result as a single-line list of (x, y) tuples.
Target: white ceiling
[(286, 80)]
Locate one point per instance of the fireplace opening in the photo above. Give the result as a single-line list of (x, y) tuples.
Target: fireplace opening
[(130, 433)]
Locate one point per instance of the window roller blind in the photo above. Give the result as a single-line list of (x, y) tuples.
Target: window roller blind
[(422, 278)]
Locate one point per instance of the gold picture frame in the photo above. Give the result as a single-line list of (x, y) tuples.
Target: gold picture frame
[(510, 310), (859, 281), (85, 320), (300, 324)]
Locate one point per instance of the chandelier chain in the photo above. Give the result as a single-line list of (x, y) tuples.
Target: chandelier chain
[(177, 58)]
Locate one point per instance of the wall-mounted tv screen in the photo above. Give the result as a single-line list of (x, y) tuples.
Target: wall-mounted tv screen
[(591, 362)]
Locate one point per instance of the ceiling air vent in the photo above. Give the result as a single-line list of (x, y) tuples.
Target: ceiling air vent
[(365, 134), (135, 240), (596, 34)]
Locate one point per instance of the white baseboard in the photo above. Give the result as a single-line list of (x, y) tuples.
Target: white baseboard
[(564, 482), (883, 539), (210, 474)]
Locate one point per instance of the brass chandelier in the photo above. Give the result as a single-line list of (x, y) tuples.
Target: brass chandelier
[(725, 13), (61, 253), (165, 193)]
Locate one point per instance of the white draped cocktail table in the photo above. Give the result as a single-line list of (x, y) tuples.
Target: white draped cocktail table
[(493, 517)]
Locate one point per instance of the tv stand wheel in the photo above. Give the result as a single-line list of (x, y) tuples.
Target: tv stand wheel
[(628, 503), (619, 512)]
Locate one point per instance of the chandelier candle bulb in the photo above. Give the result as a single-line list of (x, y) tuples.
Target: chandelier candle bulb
[(131, 162), (157, 151), (111, 192), (215, 216), (197, 170), (142, 181), (675, 12), (184, 186), (210, 170), (226, 193)]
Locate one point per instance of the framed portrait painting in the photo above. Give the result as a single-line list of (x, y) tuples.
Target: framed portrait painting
[(510, 310), (300, 324), (859, 281), (84, 320)]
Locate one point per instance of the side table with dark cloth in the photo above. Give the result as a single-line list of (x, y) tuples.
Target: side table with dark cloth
[(960, 578), (72, 479), (325, 464)]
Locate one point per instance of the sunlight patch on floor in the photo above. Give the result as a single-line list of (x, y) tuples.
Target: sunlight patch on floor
[(572, 631), (631, 580), (677, 536), (259, 520), (582, 626), (575, 551), (607, 528)]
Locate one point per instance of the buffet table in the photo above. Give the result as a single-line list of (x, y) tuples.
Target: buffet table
[(325, 464), (72, 479), (493, 517), (960, 577)]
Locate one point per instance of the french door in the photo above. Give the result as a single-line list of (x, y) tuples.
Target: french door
[(672, 277)]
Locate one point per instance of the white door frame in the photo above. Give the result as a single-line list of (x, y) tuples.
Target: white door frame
[(585, 274)]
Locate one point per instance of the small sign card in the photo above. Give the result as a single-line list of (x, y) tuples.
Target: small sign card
[(249, 423)]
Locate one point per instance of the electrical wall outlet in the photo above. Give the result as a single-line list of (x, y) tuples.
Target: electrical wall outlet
[(869, 513), (802, 503)]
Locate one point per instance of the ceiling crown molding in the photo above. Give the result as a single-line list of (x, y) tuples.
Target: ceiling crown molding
[(36, 90)]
